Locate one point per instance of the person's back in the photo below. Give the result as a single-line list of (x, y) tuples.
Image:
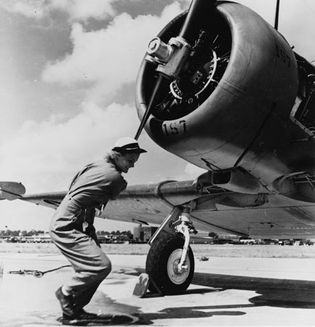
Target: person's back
[(99, 182)]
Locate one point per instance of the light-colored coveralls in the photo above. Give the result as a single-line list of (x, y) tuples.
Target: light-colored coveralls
[(72, 229)]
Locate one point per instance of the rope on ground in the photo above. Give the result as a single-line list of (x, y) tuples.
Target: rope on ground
[(36, 273)]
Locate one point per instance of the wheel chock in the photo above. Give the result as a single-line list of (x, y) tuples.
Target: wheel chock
[(142, 285), (141, 288)]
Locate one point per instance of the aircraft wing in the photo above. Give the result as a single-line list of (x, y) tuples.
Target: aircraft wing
[(215, 209)]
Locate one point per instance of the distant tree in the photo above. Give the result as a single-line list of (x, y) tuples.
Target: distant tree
[(15, 233), (128, 234), (214, 235)]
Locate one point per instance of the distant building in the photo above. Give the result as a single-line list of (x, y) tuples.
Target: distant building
[(40, 238), (249, 241), (142, 234)]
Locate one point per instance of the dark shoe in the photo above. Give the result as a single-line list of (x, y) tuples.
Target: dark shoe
[(66, 303), (81, 314), (79, 318), (86, 318)]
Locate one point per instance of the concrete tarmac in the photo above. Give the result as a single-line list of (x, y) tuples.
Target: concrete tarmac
[(225, 292)]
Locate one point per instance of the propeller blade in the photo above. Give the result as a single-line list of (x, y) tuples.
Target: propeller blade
[(194, 19), (150, 106), (277, 15)]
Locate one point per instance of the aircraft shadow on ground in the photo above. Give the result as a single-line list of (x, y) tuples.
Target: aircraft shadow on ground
[(272, 292), (190, 313), (147, 318)]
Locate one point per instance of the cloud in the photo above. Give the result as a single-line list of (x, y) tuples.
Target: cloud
[(77, 10), (83, 9), (108, 58), (45, 154), (32, 9)]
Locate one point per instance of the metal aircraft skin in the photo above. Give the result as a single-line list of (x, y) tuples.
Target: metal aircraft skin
[(242, 107)]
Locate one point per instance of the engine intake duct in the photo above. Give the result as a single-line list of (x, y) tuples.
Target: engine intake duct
[(234, 179), (299, 186)]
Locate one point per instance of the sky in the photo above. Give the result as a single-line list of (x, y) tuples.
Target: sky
[(67, 83)]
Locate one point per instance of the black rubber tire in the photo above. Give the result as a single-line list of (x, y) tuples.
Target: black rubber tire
[(158, 260)]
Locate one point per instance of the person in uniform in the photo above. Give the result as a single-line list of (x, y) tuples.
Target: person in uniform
[(72, 229)]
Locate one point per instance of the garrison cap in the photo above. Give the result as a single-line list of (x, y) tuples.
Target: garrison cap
[(128, 144)]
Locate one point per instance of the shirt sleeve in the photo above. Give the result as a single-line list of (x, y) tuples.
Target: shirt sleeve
[(117, 186)]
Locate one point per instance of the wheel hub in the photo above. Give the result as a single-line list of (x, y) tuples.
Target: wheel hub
[(176, 275)]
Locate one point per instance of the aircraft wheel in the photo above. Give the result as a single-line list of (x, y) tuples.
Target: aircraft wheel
[(162, 262)]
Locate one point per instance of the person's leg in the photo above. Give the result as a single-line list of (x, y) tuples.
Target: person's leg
[(90, 263), (85, 297)]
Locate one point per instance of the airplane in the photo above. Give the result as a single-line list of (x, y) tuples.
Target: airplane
[(222, 89)]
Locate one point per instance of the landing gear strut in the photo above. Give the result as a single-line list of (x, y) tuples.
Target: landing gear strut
[(170, 261)]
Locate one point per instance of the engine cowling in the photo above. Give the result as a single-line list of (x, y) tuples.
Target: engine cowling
[(240, 70)]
